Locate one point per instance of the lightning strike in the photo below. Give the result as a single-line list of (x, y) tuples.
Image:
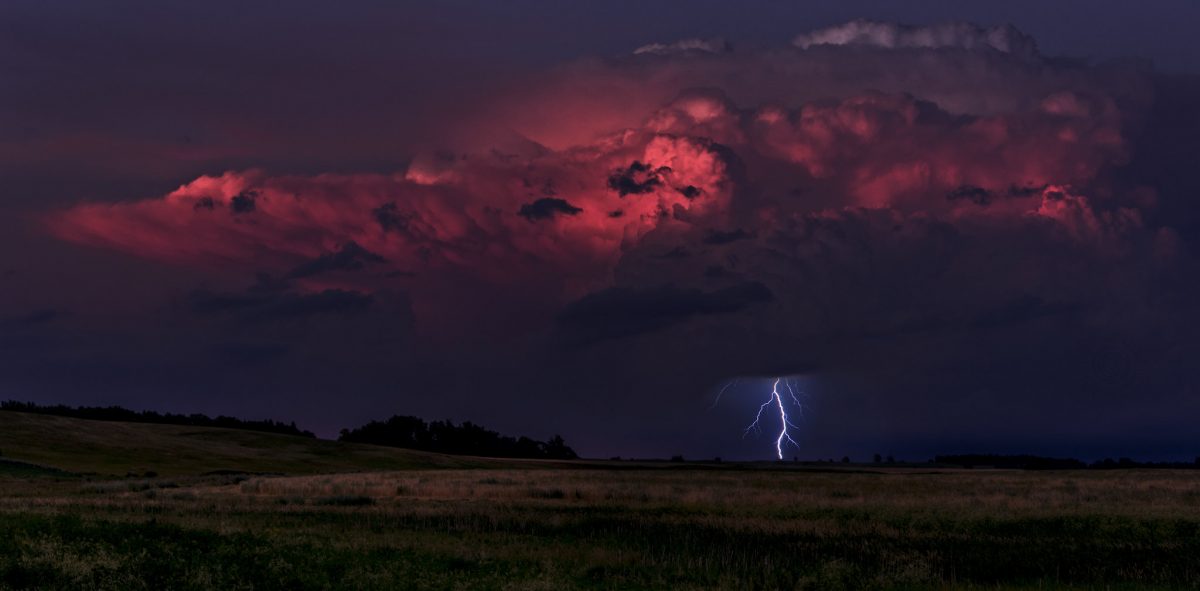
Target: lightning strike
[(776, 400), (723, 389)]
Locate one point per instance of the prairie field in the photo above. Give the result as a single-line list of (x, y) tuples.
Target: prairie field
[(667, 528), (185, 511)]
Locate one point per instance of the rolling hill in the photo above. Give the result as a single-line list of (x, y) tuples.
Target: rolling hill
[(116, 448)]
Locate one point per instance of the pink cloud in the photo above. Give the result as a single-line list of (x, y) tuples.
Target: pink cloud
[(647, 152)]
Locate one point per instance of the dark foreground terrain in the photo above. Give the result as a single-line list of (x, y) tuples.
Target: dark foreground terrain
[(422, 521)]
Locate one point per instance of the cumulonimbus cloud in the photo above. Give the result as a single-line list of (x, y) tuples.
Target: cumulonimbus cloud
[(691, 166)]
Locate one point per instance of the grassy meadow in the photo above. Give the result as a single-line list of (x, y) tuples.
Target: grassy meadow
[(601, 525)]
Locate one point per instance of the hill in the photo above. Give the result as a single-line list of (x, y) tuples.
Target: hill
[(119, 448), (117, 413)]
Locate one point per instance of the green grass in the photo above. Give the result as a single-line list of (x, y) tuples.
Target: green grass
[(25, 469), (69, 553)]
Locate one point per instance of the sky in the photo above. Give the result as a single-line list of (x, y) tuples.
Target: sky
[(950, 227)]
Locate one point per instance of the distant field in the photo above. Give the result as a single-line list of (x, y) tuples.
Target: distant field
[(597, 527)]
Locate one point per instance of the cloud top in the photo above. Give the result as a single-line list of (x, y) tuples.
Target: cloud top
[(954, 35)]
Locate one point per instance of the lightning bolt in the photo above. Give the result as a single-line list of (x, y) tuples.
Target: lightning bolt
[(719, 394), (776, 400)]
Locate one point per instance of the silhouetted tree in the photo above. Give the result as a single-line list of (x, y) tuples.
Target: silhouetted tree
[(557, 448), (446, 437)]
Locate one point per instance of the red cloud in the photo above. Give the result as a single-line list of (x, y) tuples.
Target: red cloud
[(462, 217), (626, 167)]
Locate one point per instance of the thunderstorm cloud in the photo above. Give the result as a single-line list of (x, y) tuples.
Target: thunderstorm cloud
[(869, 202)]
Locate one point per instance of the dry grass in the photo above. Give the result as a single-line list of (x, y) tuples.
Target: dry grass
[(1165, 494), (665, 528)]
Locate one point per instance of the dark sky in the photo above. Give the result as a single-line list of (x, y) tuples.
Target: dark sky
[(953, 226)]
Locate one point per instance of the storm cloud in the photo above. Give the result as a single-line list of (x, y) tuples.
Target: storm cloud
[(620, 312), (546, 208), (913, 211)]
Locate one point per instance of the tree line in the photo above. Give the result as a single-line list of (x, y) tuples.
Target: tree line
[(463, 439), (117, 413), (399, 431)]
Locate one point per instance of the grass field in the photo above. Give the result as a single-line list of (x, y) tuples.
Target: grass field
[(522, 525), (114, 448)]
